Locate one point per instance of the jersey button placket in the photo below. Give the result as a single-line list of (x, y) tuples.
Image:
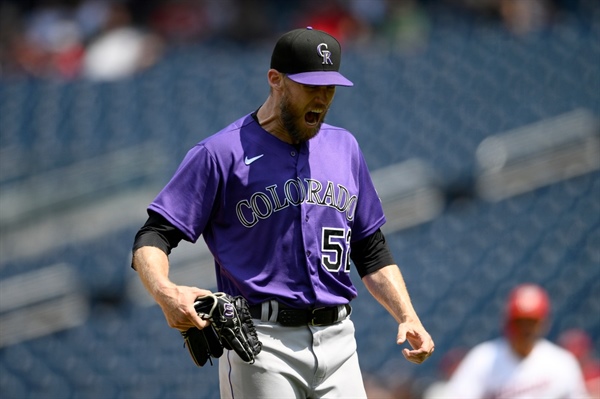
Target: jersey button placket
[(308, 239)]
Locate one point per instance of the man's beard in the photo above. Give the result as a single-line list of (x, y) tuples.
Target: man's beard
[(291, 122)]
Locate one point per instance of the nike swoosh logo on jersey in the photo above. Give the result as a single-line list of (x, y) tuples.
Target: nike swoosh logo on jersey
[(248, 161)]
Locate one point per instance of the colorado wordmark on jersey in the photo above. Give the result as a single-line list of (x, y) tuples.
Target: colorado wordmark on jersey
[(278, 218), (262, 205)]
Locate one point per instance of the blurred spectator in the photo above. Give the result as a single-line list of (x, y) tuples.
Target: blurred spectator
[(520, 17), (67, 39), (579, 343), (253, 21), (335, 18), (10, 27), (521, 363), (48, 43), (372, 12), (91, 16), (523, 17), (181, 21), (406, 26), (121, 48)]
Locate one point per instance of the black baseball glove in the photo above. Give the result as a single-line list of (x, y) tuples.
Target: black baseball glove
[(203, 344), (231, 320)]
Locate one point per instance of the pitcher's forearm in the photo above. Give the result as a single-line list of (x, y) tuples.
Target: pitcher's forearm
[(388, 287), (152, 266), (176, 301)]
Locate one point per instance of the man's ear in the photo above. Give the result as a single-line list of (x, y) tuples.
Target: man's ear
[(275, 79)]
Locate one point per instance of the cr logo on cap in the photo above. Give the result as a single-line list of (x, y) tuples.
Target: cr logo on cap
[(326, 54)]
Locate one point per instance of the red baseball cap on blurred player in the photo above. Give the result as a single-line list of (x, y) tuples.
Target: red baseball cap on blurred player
[(528, 301), (310, 57), (526, 316)]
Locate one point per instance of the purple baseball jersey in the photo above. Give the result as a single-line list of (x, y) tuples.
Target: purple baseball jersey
[(277, 218)]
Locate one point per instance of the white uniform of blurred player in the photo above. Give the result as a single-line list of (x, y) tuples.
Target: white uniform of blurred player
[(521, 364)]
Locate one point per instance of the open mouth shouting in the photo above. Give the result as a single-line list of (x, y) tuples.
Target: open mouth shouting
[(313, 117)]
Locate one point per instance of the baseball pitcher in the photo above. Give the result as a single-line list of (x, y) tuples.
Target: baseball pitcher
[(283, 201)]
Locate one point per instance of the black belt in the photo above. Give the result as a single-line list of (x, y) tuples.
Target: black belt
[(297, 317)]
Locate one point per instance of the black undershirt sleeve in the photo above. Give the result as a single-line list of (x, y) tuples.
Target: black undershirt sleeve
[(371, 254), (158, 232)]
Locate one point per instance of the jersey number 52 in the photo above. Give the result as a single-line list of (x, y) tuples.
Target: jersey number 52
[(335, 249)]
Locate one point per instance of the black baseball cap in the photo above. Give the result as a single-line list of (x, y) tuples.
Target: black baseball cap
[(309, 56)]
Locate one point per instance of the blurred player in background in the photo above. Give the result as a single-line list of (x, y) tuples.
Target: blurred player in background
[(520, 364), (283, 200)]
